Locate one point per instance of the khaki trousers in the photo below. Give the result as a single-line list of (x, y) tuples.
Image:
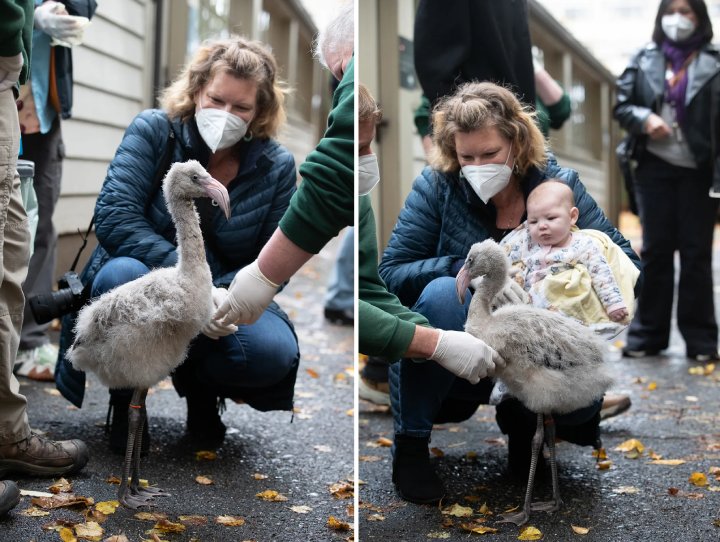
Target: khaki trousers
[(14, 257)]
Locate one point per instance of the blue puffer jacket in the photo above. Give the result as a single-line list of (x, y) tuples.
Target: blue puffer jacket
[(443, 217), (259, 196)]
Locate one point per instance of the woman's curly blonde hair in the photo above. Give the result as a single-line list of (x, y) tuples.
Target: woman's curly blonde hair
[(239, 57), (476, 106)]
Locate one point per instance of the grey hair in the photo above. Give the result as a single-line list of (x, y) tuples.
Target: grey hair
[(338, 36)]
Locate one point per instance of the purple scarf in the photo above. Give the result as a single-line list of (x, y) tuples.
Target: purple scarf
[(676, 53)]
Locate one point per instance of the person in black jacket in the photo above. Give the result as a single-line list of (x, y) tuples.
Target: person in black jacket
[(668, 98)]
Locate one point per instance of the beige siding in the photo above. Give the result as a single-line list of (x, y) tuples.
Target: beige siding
[(111, 86)]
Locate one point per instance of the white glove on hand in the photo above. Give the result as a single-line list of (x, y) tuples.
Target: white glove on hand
[(213, 328), (53, 19), (511, 294), (249, 295), (466, 356), (10, 68)]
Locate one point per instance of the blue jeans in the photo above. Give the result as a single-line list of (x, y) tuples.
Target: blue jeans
[(257, 356), (424, 393), (341, 289)]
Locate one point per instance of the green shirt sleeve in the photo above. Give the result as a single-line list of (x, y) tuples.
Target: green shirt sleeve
[(16, 23), (386, 326), (324, 202)]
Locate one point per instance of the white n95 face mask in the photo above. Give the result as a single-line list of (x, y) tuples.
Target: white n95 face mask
[(219, 129), (368, 173), (488, 179), (677, 27)]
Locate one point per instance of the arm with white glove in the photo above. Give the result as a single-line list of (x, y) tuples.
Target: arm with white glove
[(215, 329), (250, 293), (53, 19)]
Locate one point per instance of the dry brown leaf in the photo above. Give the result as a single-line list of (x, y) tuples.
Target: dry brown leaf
[(437, 452), (694, 496), (653, 455), (604, 465), (150, 516), (673, 491), (580, 530), (438, 534), (698, 479), (230, 521), (95, 515), (496, 441), (337, 524), (312, 372), (205, 455), (67, 535), (117, 538), (530, 533), (61, 486), (458, 511), (62, 500), (350, 412), (322, 448), (301, 509), (485, 510), (113, 480), (471, 455), (167, 526), (370, 458), (271, 495), (204, 480), (193, 520), (629, 445), (668, 462), (471, 498), (34, 512), (626, 490), (58, 524), (384, 442), (477, 529), (89, 531), (376, 517), (342, 490), (259, 476), (52, 391), (600, 454), (107, 507)]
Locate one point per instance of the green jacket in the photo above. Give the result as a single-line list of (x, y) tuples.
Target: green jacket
[(16, 24), (324, 202), (386, 325)]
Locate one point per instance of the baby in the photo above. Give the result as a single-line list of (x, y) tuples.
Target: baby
[(561, 267)]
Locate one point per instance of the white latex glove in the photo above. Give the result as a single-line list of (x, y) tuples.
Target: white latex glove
[(466, 356), (10, 68), (213, 328), (53, 19), (249, 295), (511, 294)]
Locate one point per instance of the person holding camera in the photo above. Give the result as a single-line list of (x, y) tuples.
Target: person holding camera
[(224, 111), (21, 450)]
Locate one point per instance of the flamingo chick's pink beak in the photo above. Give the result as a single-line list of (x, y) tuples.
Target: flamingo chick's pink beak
[(462, 281), (215, 190)]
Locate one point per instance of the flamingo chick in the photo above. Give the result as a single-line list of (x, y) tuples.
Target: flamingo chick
[(554, 364), (135, 335)]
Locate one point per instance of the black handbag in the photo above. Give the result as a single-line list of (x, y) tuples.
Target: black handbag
[(624, 153)]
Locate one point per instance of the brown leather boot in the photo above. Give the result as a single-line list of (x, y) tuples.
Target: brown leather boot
[(9, 496), (40, 456)]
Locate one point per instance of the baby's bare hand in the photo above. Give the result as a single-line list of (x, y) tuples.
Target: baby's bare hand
[(618, 315)]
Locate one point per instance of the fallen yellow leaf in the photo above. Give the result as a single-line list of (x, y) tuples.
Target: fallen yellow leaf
[(271, 495), (167, 526), (342, 490), (107, 507), (67, 535), (117, 538), (604, 465), (669, 462), (652, 386), (437, 452), (385, 442), (230, 521), (193, 520), (150, 516), (477, 529), (629, 445), (600, 454), (438, 534), (89, 531), (580, 530), (204, 480), (337, 525), (301, 509), (259, 476), (312, 372), (530, 533), (206, 455), (698, 479), (458, 511), (376, 517), (626, 490), (61, 486), (484, 510), (62, 500), (34, 512)]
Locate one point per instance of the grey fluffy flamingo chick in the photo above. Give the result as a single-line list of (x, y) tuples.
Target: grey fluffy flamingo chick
[(554, 365), (134, 335)]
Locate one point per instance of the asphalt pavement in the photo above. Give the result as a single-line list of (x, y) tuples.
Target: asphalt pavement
[(305, 456), (675, 416)]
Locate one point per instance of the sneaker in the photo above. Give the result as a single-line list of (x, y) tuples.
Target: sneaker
[(375, 392), (37, 363), (40, 456), (9, 496), (340, 317), (613, 405), (704, 358), (628, 353), (414, 477)]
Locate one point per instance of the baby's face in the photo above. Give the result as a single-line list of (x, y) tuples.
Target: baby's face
[(549, 220)]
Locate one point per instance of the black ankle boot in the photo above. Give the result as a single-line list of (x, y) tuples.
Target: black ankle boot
[(414, 478), (204, 425), (117, 427), (520, 455)]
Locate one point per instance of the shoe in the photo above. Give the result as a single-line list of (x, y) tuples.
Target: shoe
[(40, 456), (704, 358), (613, 405), (340, 317), (37, 363), (204, 424), (628, 353), (375, 392), (118, 428), (414, 478), (9, 496)]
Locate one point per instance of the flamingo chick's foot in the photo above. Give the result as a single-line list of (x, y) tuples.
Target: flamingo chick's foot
[(518, 518), (135, 498), (546, 506)]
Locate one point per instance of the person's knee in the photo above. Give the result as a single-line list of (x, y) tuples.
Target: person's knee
[(438, 302), (116, 272)]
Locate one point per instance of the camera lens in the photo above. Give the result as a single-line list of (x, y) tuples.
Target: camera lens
[(45, 307)]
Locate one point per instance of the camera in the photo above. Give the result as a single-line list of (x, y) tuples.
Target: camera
[(70, 296)]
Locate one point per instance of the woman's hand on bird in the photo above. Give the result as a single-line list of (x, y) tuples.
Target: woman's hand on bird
[(466, 356), (656, 127), (250, 293), (213, 328)]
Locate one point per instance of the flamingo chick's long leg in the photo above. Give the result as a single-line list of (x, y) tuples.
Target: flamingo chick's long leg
[(555, 504), (521, 517), (147, 493)]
